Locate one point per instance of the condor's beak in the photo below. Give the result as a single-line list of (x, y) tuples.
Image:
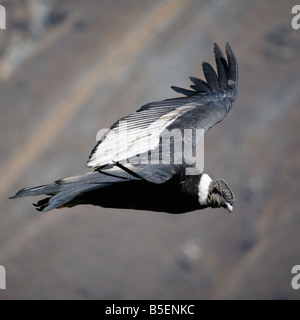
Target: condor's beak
[(229, 207)]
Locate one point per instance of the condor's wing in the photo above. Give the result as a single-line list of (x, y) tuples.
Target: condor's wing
[(202, 107)]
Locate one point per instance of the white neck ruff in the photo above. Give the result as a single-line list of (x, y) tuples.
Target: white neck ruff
[(203, 188)]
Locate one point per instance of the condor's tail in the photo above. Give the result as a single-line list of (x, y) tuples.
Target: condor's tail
[(63, 191)]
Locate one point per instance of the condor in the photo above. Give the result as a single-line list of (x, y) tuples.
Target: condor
[(117, 182)]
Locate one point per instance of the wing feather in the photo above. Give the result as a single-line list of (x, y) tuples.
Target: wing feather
[(221, 67), (200, 85), (207, 104), (135, 134), (211, 76)]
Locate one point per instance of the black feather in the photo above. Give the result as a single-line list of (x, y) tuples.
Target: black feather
[(226, 68), (221, 67), (201, 85), (194, 87), (186, 92), (210, 76), (233, 69)]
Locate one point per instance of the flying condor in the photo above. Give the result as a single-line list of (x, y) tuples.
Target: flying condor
[(119, 180)]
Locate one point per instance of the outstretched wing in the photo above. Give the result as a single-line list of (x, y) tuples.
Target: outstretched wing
[(204, 106)]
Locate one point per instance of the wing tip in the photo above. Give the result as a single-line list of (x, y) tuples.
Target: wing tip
[(217, 49), (226, 78), (233, 68)]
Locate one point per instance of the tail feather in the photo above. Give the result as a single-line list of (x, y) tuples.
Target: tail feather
[(65, 190), (63, 197), (49, 189)]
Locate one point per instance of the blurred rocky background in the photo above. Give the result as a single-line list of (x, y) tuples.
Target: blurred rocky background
[(69, 68)]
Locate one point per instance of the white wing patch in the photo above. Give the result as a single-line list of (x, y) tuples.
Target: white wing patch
[(135, 134)]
